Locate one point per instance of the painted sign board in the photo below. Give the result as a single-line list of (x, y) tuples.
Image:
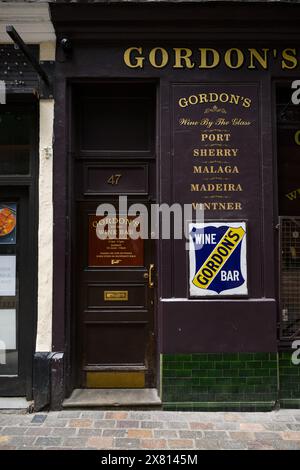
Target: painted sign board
[(216, 148), (120, 250), (217, 259)]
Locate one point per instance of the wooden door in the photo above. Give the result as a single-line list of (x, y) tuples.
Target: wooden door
[(114, 278)]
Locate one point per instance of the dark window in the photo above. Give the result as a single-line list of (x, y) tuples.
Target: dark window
[(115, 119), (15, 141)]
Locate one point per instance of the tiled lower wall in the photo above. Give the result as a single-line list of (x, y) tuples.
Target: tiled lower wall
[(289, 378), (256, 381), (219, 381)]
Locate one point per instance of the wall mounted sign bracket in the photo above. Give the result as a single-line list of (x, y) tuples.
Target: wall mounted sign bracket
[(45, 73)]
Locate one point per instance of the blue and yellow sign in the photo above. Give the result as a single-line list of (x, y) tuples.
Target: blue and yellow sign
[(218, 259)]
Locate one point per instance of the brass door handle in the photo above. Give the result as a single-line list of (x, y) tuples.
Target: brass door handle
[(150, 276)]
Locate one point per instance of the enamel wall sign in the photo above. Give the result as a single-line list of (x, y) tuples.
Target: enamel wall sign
[(217, 259)]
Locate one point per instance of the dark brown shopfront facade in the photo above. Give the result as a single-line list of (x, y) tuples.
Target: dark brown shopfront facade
[(176, 104)]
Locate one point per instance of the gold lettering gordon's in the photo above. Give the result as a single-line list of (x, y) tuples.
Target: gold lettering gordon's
[(200, 98), (137, 57), (218, 257)]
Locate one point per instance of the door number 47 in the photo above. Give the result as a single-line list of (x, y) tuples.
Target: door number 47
[(114, 179)]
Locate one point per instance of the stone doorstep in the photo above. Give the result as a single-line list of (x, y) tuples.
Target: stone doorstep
[(104, 398), (14, 403)]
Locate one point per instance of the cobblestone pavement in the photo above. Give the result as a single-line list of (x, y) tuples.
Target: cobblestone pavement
[(150, 430)]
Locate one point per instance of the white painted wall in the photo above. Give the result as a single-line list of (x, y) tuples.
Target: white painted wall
[(45, 235)]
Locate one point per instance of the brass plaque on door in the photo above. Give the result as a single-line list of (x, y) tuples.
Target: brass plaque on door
[(118, 295)]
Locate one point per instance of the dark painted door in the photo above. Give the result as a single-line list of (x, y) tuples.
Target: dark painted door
[(114, 278)]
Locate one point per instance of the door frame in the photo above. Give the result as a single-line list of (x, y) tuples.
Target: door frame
[(64, 331)]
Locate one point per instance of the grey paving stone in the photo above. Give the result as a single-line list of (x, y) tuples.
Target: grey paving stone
[(229, 426), (172, 416), (11, 420), (293, 427), (199, 416), (152, 424), (266, 436), (105, 423), (75, 442), (276, 426), (191, 434), (93, 414), (233, 445), (20, 441), (258, 417), (166, 434), (208, 444), (140, 415), (54, 414), (114, 433), (58, 423), (241, 436), (90, 432), (255, 445), (63, 432), (177, 425), (68, 414), (216, 435), (125, 443), (127, 424), (235, 417), (14, 431), (40, 431), (38, 419), (48, 441), (281, 417), (209, 426), (286, 445)]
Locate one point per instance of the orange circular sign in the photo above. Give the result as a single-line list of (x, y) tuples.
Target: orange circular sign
[(7, 221)]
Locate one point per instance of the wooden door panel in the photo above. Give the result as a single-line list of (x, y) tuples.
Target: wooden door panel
[(119, 178), (118, 343)]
